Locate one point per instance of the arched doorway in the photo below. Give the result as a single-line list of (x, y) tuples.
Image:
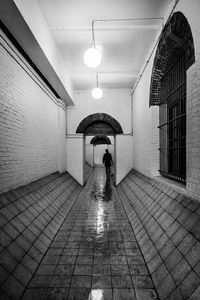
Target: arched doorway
[(99, 128), (175, 54), (99, 143), (100, 139)]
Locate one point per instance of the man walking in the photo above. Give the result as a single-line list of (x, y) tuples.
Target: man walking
[(107, 161)]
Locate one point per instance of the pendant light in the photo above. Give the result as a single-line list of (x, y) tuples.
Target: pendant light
[(97, 93), (92, 56)]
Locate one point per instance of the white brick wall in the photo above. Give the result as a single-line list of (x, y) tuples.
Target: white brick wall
[(191, 10), (124, 155), (145, 119), (75, 148), (28, 122), (89, 154), (145, 131)]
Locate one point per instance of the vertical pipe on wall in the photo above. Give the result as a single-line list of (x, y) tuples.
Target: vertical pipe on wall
[(115, 160), (93, 156), (131, 114), (84, 160)]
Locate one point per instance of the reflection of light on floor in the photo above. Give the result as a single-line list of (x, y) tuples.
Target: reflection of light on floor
[(100, 218), (96, 295)]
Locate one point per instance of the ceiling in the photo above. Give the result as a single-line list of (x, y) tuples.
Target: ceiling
[(124, 44)]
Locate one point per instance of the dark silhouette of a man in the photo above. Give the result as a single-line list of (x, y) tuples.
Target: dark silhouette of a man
[(107, 160)]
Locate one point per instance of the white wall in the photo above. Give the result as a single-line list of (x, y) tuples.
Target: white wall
[(116, 103), (111, 149), (89, 154), (191, 10), (61, 134), (123, 164), (75, 148), (145, 119), (30, 119), (89, 151), (145, 131)]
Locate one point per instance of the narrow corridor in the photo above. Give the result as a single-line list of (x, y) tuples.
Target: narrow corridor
[(139, 241), (65, 231), (94, 255)]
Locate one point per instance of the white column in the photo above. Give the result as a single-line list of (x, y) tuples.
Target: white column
[(90, 154), (61, 140), (75, 148), (123, 156)]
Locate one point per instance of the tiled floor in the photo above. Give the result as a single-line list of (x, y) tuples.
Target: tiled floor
[(94, 255), (61, 241), (167, 227)]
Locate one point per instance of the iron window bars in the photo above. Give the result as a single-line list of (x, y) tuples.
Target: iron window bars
[(173, 121)]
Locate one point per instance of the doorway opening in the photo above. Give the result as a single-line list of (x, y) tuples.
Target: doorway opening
[(99, 131)]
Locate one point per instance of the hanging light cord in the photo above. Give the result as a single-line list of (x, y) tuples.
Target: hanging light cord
[(115, 20), (93, 37), (97, 80)]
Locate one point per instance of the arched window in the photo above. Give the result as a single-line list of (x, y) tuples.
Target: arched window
[(175, 54), (173, 120)]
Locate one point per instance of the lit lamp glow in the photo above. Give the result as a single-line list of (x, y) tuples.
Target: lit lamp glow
[(97, 93), (92, 57)]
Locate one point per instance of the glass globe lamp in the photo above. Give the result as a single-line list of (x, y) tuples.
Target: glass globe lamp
[(97, 93), (92, 57)]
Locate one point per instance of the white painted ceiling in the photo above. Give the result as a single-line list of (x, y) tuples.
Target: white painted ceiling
[(124, 44)]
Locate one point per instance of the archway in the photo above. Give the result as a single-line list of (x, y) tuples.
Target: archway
[(100, 139), (99, 128), (175, 54), (99, 123), (99, 144)]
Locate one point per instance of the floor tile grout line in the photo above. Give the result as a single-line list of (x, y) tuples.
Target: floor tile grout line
[(32, 204), (176, 246), (140, 251), (46, 250), (26, 226), (155, 246), (26, 252), (80, 205)]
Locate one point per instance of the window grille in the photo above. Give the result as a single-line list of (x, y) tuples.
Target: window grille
[(173, 120)]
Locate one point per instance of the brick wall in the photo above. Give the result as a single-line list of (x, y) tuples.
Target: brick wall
[(123, 151), (145, 120), (28, 121), (145, 131), (193, 96)]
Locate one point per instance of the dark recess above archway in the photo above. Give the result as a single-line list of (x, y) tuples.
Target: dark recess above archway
[(99, 123), (100, 139)]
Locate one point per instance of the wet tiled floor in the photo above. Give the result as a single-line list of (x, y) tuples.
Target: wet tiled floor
[(59, 240), (94, 255)]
